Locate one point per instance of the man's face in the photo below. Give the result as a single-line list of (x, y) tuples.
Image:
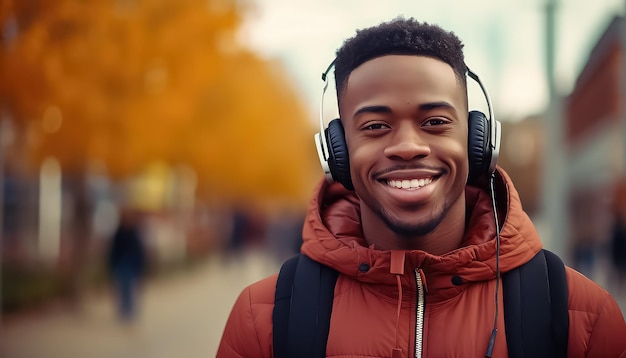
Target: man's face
[(405, 120)]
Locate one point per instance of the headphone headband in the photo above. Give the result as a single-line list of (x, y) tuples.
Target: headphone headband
[(320, 141), (494, 130)]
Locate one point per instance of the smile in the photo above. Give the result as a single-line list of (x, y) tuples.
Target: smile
[(409, 184)]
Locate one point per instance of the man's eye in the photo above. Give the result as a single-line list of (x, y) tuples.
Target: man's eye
[(375, 126), (436, 122)]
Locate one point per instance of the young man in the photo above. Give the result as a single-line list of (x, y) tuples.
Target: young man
[(415, 242)]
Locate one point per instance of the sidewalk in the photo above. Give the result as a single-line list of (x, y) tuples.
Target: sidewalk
[(182, 315)]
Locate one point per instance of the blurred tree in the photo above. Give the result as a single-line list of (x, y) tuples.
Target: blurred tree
[(130, 82)]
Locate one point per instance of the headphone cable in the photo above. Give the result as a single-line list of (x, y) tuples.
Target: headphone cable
[(494, 331)]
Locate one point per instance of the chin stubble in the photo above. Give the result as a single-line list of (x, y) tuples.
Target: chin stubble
[(408, 230)]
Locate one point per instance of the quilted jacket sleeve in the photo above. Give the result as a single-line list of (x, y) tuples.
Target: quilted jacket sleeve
[(597, 327), (248, 331), (608, 337)]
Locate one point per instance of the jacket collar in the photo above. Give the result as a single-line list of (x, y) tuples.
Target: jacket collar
[(332, 235)]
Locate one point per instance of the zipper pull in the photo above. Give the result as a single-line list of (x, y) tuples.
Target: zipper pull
[(423, 279)]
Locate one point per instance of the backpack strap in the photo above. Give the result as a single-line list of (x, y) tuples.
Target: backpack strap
[(560, 302), (535, 308), (302, 308), (282, 305), (537, 328)]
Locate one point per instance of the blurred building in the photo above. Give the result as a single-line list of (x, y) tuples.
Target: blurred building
[(520, 156), (595, 121), (595, 139)]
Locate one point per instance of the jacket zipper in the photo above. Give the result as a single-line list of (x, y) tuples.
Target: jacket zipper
[(419, 314)]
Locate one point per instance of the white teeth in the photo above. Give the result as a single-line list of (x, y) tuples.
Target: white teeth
[(411, 184)]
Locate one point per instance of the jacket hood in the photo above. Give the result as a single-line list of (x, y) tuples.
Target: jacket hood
[(332, 235)]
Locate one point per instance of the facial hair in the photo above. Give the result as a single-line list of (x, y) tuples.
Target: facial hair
[(410, 230)]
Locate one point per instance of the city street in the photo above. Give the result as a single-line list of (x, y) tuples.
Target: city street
[(182, 315)]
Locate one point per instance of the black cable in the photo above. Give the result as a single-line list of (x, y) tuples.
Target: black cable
[(492, 338)]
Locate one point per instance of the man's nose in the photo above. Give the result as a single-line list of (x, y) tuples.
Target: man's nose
[(407, 143)]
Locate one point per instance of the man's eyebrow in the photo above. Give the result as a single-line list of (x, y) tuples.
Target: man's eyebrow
[(435, 105), (422, 107), (372, 109)]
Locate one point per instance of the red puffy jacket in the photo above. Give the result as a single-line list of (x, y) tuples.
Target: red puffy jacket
[(378, 292)]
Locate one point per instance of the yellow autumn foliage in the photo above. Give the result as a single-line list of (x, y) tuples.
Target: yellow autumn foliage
[(127, 83)]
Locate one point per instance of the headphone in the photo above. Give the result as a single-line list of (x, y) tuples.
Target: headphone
[(483, 142)]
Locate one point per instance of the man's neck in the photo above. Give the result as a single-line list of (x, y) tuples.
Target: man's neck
[(446, 237)]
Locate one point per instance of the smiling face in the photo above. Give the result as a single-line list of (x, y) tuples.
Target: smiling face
[(405, 121)]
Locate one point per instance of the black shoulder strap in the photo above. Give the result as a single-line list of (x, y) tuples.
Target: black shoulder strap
[(537, 328), (535, 308), (282, 304), (302, 308)]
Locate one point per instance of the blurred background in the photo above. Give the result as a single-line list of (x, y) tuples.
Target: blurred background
[(156, 156)]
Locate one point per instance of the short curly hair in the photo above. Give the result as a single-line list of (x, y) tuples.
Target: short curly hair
[(399, 36)]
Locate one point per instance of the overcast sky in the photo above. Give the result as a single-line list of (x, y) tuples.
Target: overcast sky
[(504, 41)]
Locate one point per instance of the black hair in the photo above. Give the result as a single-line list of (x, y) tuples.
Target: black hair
[(399, 37)]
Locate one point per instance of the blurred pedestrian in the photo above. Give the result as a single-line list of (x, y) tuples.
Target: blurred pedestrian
[(127, 264), (240, 232), (618, 251), (284, 233), (585, 256)]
